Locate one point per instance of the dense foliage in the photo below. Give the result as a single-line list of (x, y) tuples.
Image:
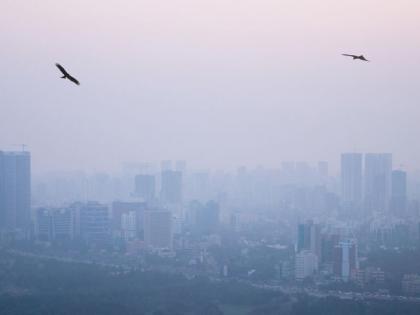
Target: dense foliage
[(31, 286)]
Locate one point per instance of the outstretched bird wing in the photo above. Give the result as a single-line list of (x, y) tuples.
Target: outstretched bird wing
[(63, 71), (72, 79), (347, 55)]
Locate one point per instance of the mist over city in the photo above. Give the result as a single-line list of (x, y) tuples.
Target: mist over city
[(209, 157)]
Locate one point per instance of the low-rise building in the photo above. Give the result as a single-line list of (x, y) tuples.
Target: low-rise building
[(411, 284)]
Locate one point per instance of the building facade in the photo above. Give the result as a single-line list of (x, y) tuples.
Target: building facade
[(351, 180), (158, 229), (15, 190), (378, 169)]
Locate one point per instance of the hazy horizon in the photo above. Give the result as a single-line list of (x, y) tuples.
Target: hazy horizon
[(216, 83)]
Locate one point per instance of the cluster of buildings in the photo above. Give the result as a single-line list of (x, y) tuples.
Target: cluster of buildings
[(170, 210), (324, 252), (370, 184), (98, 224), (149, 220), (171, 185)]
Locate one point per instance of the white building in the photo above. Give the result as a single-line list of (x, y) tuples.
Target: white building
[(306, 264)]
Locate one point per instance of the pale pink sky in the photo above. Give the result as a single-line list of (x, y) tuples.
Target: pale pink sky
[(218, 83)]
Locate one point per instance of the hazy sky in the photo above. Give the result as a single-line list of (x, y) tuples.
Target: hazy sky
[(216, 82)]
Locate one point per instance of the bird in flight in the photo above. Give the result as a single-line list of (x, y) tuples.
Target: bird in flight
[(361, 57), (66, 75)]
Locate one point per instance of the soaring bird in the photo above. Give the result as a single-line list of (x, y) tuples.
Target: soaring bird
[(66, 75), (361, 57)]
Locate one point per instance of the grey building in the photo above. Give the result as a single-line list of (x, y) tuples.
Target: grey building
[(15, 190), (54, 224), (158, 229), (92, 222), (351, 179), (204, 218), (171, 187), (145, 187), (127, 219), (399, 192), (378, 169)]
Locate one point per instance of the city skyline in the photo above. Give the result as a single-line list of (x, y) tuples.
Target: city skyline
[(217, 157)]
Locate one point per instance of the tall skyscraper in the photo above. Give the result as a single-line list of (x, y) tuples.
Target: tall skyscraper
[(351, 180), (158, 229), (378, 168), (15, 190), (328, 244), (145, 187), (346, 261), (399, 192), (171, 187), (309, 238)]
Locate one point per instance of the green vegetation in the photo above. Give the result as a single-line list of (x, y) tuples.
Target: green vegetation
[(31, 286)]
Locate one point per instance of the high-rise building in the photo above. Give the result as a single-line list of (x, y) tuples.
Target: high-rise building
[(171, 187), (204, 219), (328, 244), (306, 264), (378, 168), (309, 238), (346, 261), (15, 190), (303, 237), (399, 192), (158, 229), (351, 179), (145, 187)]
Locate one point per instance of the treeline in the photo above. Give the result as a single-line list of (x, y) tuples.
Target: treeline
[(32, 286)]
